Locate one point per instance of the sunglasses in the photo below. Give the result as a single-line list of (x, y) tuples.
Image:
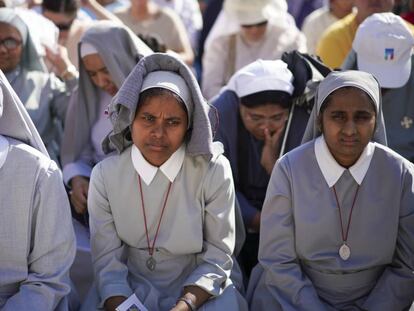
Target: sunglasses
[(64, 27), (10, 43), (255, 25)]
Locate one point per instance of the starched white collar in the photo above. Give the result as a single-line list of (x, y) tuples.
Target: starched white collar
[(4, 150), (147, 171), (331, 169)]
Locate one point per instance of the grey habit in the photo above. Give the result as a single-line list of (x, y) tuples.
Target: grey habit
[(120, 50), (197, 233), (44, 95), (300, 268), (36, 235)]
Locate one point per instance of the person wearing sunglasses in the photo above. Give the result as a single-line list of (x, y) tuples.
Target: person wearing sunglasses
[(44, 95), (264, 33), (64, 14)]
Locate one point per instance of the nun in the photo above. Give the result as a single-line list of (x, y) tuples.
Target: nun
[(162, 209), (43, 94), (107, 53), (337, 226), (36, 235), (256, 105)]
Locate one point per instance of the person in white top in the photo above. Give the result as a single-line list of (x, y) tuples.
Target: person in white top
[(319, 20), (259, 35)]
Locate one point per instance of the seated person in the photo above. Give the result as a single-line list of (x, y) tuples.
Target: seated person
[(263, 32), (162, 209), (254, 111), (108, 52), (37, 241), (388, 56), (147, 19), (44, 96), (332, 235)]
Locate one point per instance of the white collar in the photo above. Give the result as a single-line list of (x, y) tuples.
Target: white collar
[(332, 171), (4, 149), (147, 171)]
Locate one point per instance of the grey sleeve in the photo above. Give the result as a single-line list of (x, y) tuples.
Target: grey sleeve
[(395, 288), (215, 262), (107, 248), (52, 248), (284, 278), (61, 92)]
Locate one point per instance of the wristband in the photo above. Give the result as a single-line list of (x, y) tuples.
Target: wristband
[(188, 302)]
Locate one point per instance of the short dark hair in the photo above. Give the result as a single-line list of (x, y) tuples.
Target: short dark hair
[(61, 6), (280, 98)]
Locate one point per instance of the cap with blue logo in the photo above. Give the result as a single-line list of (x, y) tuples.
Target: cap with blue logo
[(384, 44)]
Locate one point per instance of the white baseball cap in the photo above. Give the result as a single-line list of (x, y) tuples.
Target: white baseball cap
[(262, 75), (383, 44)]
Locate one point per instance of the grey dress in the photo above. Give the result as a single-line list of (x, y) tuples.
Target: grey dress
[(302, 269), (36, 236), (44, 95), (195, 241)]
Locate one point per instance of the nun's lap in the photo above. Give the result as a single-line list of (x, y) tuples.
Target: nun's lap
[(257, 295)]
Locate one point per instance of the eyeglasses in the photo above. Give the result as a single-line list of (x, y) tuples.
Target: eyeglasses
[(10, 43), (276, 120), (255, 25)]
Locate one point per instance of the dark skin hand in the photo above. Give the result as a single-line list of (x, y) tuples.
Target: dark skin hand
[(79, 193), (112, 302), (197, 295)]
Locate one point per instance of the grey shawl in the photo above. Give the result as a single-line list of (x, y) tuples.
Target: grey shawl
[(351, 78), (120, 50), (30, 60), (123, 106), (14, 119)]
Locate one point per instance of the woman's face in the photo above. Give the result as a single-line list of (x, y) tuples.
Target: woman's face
[(348, 124), (99, 74), (62, 21), (11, 47), (253, 33), (268, 116), (159, 128)]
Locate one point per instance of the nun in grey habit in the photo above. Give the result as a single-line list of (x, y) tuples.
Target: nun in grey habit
[(337, 238), (36, 235), (44, 95), (87, 122), (193, 191)]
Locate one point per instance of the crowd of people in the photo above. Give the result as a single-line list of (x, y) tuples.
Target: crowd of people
[(182, 155)]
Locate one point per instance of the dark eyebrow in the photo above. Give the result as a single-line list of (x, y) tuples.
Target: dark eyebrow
[(277, 114)]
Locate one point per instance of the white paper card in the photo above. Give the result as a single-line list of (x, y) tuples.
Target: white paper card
[(131, 304)]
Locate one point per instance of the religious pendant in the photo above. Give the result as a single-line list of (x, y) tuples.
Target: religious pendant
[(151, 263), (344, 252), (406, 122)]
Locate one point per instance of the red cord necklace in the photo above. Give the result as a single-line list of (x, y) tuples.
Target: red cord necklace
[(151, 263), (344, 250)]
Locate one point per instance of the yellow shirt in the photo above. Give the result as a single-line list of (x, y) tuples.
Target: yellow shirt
[(336, 42)]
